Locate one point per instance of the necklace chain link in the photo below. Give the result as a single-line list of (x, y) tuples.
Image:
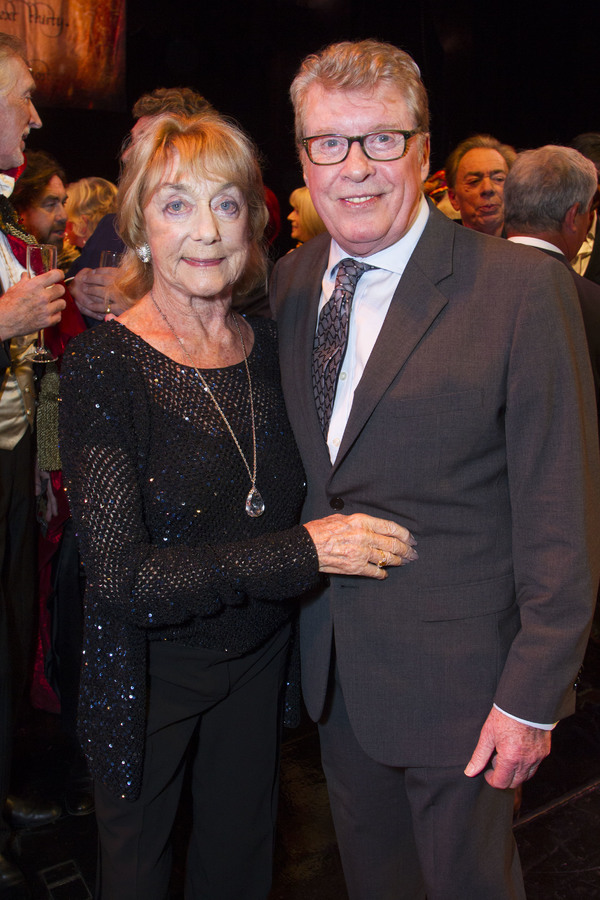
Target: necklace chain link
[(254, 503)]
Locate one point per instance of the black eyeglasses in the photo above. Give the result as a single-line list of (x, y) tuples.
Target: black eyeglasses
[(381, 146)]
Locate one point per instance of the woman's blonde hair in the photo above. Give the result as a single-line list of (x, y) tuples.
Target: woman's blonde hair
[(207, 147), (311, 222), (88, 200)]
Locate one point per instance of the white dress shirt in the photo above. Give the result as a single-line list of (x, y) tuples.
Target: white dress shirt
[(535, 242), (370, 304), (17, 395), (10, 269)]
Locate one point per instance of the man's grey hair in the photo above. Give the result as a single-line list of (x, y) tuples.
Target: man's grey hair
[(361, 66), (477, 142), (542, 186), (10, 47)]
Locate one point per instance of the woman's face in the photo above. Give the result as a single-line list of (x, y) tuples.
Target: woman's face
[(198, 234), (78, 232), (296, 222)]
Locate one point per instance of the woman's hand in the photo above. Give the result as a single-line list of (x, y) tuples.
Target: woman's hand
[(360, 545)]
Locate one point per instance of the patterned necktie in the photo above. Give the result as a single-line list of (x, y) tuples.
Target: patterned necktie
[(332, 336)]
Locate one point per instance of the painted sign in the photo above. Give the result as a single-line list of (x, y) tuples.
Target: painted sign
[(76, 49)]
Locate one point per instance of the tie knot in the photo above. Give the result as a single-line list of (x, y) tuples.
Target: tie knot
[(350, 270)]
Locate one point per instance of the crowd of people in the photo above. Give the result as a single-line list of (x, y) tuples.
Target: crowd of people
[(367, 475)]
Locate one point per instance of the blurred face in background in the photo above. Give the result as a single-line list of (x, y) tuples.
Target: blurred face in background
[(479, 190), (46, 219), (78, 233), (298, 232)]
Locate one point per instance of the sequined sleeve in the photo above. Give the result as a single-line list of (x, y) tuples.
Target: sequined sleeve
[(105, 437)]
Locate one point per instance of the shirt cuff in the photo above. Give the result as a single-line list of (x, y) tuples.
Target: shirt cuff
[(525, 722)]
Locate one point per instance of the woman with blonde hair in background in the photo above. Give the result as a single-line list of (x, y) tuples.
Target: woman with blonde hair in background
[(306, 221), (89, 199)]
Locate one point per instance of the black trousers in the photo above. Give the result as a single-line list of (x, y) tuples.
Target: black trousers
[(66, 610), (18, 593), (233, 707)]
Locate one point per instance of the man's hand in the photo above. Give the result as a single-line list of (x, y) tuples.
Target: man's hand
[(519, 751), (31, 304), (95, 294), (43, 489)]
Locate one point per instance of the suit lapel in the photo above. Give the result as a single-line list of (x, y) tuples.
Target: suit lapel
[(415, 305), (306, 304)]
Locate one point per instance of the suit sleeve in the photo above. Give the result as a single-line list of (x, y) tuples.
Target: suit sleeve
[(273, 303), (553, 470)]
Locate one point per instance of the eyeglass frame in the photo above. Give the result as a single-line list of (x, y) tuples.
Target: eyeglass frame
[(360, 138)]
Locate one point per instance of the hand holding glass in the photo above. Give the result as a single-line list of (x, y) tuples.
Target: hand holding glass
[(110, 259), (41, 258)]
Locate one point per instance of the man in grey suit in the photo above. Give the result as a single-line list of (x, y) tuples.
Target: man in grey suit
[(463, 409), (548, 203)]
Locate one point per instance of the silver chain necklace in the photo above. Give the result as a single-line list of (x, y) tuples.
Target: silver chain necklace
[(255, 505)]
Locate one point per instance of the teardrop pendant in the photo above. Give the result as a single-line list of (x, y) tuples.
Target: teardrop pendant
[(255, 505)]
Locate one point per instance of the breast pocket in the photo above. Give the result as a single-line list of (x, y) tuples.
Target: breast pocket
[(429, 432), (454, 403)]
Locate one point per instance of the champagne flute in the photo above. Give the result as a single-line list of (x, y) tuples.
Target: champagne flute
[(41, 258), (110, 259)]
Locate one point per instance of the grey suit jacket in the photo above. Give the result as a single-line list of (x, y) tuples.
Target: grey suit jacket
[(589, 301), (474, 426)]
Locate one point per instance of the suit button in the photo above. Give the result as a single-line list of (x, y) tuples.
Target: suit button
[(336, 503)]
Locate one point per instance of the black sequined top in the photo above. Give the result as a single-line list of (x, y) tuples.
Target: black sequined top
[(157, 491)]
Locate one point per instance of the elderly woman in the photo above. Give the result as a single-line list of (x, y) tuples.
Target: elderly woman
[(186, 488)]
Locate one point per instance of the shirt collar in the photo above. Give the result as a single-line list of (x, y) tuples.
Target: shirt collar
[(393, 258), (7, 184), (535, 242)]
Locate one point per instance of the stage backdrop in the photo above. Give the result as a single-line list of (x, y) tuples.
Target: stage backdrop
[(76, 49)]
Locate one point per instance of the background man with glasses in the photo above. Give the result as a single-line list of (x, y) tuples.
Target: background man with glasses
[(439, 378)]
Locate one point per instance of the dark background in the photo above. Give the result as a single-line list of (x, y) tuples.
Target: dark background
[(523, 71)]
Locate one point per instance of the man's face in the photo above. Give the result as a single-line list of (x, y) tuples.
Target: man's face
[(46, 218), (18, 115), (479, 190), (366, 205)]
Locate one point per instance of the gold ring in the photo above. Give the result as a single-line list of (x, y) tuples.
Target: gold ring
[(381, 564), (108, 309)]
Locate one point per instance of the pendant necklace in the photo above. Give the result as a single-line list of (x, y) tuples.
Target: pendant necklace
[(255, 505)]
